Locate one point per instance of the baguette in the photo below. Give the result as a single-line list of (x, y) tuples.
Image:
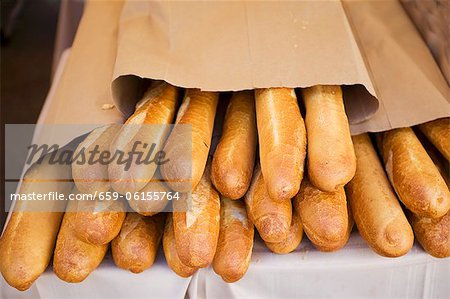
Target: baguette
[(442, 164), (234, 249), (324, 216), (331, 157), (27, 243), (272, 218), (293, 239), (98, 221), (75, 259), (93, 177), (234, 159), (149, 126), (376, 210), (432, 234), (135, 248), (413, 175), (152, 206), (187, 157), (438, 132), (170, 252), (197, 226), (282, 141)]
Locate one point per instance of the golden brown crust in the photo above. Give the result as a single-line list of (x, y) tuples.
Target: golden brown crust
[(234, 158), (184, 171), (157, 107), (135, 247), (170, 251), (234, 249), (272, 218), (331, 158), (74, 259), (27, 243), (282, 141), (197, 229), (413, 175), (432, 234), (153, 206), (98, 221), (438, 132), (91, 178), (293, 239), (324, 216), (376, 210), (24, 252), (438, 159)]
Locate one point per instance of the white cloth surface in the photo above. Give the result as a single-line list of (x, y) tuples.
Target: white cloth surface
[(353, 272), (108, 281)]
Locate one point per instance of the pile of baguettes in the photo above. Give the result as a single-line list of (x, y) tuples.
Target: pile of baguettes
[(237, 189)]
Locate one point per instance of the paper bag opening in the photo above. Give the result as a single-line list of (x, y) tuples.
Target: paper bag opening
[(229, 46), (370, 47)]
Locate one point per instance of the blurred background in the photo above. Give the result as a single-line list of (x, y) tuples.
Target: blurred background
[(28, 30)]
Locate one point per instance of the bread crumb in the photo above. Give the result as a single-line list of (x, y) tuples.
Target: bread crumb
[(108, 106)]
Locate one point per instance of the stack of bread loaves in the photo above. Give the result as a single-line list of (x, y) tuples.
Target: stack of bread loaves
[(275, 169)]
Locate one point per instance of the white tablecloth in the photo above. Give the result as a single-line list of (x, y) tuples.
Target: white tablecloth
[(353, 272)]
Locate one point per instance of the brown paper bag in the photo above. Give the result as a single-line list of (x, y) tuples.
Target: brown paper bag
[(407, 80), (224, 46), (83, 92)]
